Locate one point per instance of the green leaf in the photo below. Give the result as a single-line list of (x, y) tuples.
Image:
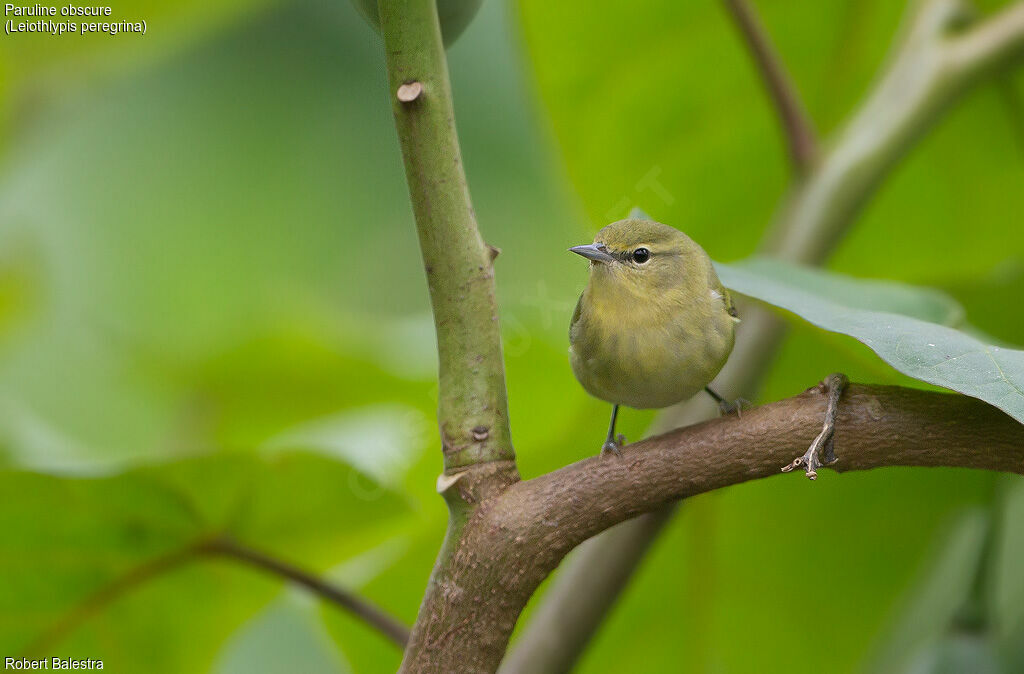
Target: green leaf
[(104, 556), (288, 636), (903, 325)]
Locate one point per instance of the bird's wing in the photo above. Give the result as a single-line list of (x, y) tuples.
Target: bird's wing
[(719, 291), (576, 316), (730, 306)]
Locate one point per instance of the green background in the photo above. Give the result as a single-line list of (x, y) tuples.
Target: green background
[(213, 318)]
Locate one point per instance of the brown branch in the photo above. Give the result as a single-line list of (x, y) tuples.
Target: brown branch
[(516, 538), (589, 584), (152, 569), (798, 129)]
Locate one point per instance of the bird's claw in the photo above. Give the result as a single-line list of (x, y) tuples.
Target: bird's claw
[(822, 450), (810, 461), (727, 408), (612, 447)]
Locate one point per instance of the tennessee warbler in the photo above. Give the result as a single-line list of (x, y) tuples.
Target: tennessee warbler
[(654, 324)]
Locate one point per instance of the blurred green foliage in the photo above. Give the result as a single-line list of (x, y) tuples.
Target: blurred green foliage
[(212, 316)]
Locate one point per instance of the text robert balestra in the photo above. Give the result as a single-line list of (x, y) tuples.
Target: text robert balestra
[(52, 663)]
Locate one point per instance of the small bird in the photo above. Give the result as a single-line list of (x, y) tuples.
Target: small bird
[(654, 324)]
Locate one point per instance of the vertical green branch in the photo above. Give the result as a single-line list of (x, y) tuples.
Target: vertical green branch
[(472, 407)]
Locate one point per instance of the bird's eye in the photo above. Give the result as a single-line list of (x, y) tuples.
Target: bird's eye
[(641, 255)]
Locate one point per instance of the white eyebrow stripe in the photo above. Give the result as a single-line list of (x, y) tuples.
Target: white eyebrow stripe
[(716, 295)]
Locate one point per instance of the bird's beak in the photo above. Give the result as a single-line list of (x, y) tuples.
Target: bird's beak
[(593, 251)]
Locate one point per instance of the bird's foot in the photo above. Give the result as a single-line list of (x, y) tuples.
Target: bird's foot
[(612, 447), (822, 450), (727, 408)]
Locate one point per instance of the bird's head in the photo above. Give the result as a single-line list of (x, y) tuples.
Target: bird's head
[(644, 254)]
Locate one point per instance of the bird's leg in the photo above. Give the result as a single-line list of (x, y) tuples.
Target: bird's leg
[(611, 444), (813, 459), (725, 406)]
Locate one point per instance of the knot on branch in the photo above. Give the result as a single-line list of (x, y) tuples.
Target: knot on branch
[(478, 482), (409, 91), (479, 443)]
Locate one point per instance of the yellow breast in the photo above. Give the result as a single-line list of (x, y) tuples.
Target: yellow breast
[(648, 352)]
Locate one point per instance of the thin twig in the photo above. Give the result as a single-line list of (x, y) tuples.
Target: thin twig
[(798, 129), (357, 606), (154, 568)]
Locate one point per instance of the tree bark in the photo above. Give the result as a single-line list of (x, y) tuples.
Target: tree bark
[(515, 538)]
